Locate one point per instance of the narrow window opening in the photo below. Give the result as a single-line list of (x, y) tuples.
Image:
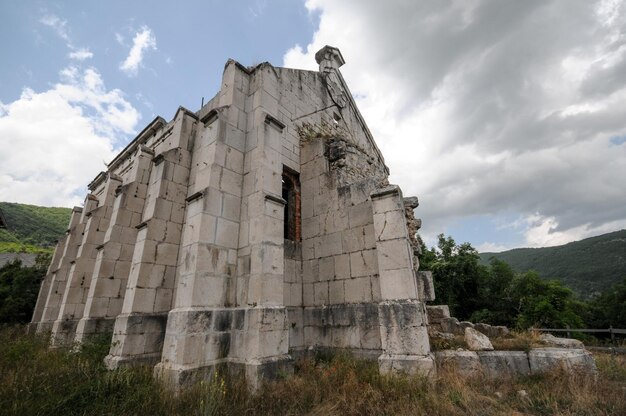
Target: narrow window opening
[(291, 194)]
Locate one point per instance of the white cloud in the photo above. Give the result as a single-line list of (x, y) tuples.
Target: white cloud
[(542, 231), (80, 54), (59, 25), (56, 140), (61, 28), (143, 41), (488, 247), (486, 108), (119, 38)]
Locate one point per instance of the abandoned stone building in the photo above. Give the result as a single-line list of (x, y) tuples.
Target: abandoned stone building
[(255, 230)]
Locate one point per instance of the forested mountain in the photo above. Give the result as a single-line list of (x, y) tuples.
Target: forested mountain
[(30, 226), (587, 266)]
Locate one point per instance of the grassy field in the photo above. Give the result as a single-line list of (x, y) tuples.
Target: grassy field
[(37, 381)]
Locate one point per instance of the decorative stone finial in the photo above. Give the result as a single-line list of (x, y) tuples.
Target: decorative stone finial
[(329, 57)]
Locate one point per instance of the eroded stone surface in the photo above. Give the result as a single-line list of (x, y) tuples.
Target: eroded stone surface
[(436, 313), (560, 342), (504, 363), (464, 362), (546, 359), (451, 325), (476, 341), (259, 225), (492, 331)]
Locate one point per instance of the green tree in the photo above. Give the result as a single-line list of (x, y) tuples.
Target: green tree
[(544, 303), (495, 295), (608, 309), (19, 287), (456, 274)]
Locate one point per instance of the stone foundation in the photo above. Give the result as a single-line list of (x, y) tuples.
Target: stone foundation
[(137, 340)]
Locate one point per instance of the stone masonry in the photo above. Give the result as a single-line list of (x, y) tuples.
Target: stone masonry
[(250, 232)]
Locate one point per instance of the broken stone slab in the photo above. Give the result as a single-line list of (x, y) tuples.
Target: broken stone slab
[(492, 331), (451, 325), (500, 331), (466, 363), (407, 364), (546, 359), (561, 342), (498, 364), (426, 285), (411, 201), (437, 312), (477, 341), (465, 324), (504, 363), (441, 335)]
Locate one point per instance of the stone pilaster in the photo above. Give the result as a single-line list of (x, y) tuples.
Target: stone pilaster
[(264, 350), (44, 289), (140, 328), (113, 261), (402, 315), (228, 308), (79, 277), (58, 279)]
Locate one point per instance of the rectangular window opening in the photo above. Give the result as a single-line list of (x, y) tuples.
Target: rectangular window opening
[(291, 194)]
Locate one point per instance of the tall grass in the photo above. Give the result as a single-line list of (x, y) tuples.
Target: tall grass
[(38, 381)]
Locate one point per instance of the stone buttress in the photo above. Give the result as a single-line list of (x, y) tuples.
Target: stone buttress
[(51, 291), (247, 234)]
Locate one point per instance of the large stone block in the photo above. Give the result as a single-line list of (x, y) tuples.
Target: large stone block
[(398, 284), (407, 364), (363, 263), (464, 362), (358, 290), (394, 254), (476, 341), (391, 224), (436, 313), (498, 364), (546, 359), (560, 342)]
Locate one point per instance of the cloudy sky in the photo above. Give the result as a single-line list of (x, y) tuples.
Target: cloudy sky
[(506, 118)]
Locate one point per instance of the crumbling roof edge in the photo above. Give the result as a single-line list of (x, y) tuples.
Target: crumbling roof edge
[(152, 127), (361, 119), (100, 177), (357, 112), (186, 112)]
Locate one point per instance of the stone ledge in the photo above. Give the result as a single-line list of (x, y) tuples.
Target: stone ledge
[(496, 364), (255, 371), (407, 364)]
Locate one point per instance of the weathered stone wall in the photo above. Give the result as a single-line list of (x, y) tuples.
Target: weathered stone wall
[(182, 249), (139, 329)]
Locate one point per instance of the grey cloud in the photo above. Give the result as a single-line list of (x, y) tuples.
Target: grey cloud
[(532, 91)]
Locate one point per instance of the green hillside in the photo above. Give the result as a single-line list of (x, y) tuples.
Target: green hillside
[(30, 227), (587, 266)]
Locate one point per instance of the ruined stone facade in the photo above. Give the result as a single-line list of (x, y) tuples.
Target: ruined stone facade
[(255, 230)]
